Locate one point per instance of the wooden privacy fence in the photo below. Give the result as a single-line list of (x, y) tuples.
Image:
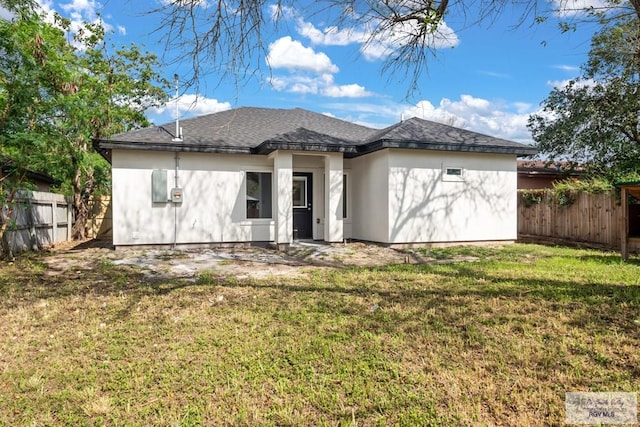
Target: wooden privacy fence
[(99, 224), (591, 218), (39, 219)]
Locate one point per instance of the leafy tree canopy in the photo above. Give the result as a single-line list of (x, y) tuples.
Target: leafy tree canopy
[(593, 120), (56, 94)]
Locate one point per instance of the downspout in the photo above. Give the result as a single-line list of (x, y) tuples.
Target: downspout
[(176, 138), (175, 203)]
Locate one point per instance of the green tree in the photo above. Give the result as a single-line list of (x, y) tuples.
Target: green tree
[(594, 119), (109, 94), (31, 52), (56, 96)]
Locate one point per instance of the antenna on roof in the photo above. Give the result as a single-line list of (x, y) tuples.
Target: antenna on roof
[(178, 134)]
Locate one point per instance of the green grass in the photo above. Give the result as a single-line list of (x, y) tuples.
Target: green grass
[(492, 342)]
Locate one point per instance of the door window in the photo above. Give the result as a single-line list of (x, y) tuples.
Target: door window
[(299, 191)]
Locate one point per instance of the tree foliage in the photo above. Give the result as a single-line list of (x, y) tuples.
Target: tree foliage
[(57, 93), (594, 120)]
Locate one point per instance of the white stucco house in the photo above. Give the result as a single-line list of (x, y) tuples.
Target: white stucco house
[(273, 175)]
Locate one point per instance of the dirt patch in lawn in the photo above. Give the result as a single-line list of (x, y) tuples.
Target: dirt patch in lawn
[(243, 262)]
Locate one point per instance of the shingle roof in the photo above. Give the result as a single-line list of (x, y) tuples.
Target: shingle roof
[(262, 130), (419, 130), (247, 127)]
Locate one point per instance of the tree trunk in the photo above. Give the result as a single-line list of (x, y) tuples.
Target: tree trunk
[(79, 210), (81, 195), (4, 224)]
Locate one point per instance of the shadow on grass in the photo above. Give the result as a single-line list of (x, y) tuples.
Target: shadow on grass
[(610, 259), (458, 286), (458, 299)]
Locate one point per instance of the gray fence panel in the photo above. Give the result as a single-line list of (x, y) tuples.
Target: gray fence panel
[(39, 220)]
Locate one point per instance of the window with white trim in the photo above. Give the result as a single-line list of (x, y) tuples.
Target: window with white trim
[(452, 173), (258, 194), (299, 191)]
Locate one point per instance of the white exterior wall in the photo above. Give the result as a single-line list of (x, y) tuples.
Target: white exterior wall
[(333, 173), (347, 223), (425, 208), (283, 201), (393, 196), (214, 205), (368, 202)]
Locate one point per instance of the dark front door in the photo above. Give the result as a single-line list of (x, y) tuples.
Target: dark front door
[(302, 212)]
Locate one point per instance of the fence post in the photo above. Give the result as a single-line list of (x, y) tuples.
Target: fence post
[(29, 207), (624, 227), (69, 217), (54, 221)]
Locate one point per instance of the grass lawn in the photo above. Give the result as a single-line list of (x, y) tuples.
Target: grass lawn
[(493, 342)]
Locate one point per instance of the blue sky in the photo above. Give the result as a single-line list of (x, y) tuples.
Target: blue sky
[(485, 78)]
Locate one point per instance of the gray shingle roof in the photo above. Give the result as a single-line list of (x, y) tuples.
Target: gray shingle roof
[(247, 127), (262, 130)]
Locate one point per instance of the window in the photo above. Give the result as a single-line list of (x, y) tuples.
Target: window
[(452, 173), (344, 196), (299, 191), (259, 195)]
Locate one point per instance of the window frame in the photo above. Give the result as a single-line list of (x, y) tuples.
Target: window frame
[(453, 177), (246, 186), (305, 182)]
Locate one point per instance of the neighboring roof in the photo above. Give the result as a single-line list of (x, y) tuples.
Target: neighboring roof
[(7, 165), (262, 130), (538, 168), (632, 187)]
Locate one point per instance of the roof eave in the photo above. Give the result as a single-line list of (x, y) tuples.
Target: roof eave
[(267, 147), (103, 145), (439, 146)]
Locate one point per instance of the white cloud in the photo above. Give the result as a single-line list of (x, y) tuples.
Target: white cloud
[(346, 91), (386, 42), (495, 118), (182, 3), (310, 72), (372, 46), (6, 14), (561, 84), (46, 6), (567, 68), (78, 12), (495, 74), (297, 84), (318, 85), (191, 105), (291, 54), (85, 8), (330, 36), (122, 30), (558, 84), (566, 8)]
